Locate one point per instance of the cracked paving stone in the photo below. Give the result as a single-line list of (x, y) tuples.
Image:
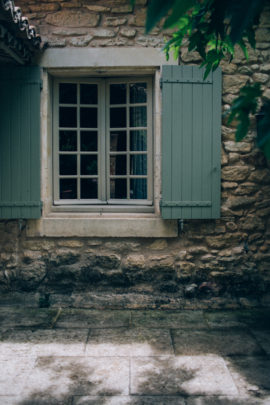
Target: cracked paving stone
[(49, 342), (185, 375), (69, 376), (219, 342), (78, 318), (167, 319), (129, 342)]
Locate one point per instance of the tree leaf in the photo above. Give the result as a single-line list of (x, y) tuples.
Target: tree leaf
[(180, 7), (157, 9)]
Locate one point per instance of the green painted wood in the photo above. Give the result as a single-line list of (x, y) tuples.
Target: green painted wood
[(20, 142), (191, 139)]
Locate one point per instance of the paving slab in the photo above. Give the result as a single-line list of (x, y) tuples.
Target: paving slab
[(41, 400), (46, 342), (263, 337), (227, 401), (128, 400), (221, 342), (251, 374), (169, 319), (184, 375), (26, 317), (255, 318), (59, 377), (75, 318), (129, 342), (224, 319), (14, 375)]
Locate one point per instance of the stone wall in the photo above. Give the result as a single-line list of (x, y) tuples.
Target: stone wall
[(222, 263)]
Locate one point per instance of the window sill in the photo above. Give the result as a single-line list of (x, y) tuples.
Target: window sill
[(105, 226)]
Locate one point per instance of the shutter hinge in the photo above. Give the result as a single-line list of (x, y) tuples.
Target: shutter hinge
[(161, 83)]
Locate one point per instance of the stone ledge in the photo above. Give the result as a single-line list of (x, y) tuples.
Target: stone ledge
[(102, 227)]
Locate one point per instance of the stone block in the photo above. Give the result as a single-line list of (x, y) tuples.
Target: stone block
[(78, 375), (137, 342), (66, 18), (186, 375), (168, 319), (83, 318), (42, 342), (115, 21), (219, 342), (235, 173), (127, 32)]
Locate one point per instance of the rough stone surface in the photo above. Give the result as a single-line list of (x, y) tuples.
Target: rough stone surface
[(214, 263)]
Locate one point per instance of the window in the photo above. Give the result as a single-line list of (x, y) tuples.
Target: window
[(103, 143)]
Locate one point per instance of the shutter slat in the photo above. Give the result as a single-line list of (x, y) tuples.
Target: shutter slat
[(20, 142), (191, 127)]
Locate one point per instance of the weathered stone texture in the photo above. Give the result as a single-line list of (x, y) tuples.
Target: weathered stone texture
[(219, 262)]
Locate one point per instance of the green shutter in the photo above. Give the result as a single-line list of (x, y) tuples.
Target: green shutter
[(191, 143), (20, 142)]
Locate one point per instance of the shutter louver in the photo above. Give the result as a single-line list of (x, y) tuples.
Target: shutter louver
[(191, 143), (20, 142)]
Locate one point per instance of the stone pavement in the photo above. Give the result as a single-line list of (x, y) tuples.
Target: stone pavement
[(81, 356)]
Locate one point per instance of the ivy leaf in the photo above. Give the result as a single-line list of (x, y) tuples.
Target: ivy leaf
[(263, 129)]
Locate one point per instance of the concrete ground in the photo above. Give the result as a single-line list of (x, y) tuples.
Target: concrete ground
[(82, 356)]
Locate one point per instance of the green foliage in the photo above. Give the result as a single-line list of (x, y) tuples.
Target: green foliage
[(242, 107), (263, 132), (213, 28)]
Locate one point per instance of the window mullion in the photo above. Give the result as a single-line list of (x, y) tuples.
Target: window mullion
[(102, 140)]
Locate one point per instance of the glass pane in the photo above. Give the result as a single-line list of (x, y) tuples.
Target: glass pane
[(88, 117), (118, 188), (138, 164), (88, 94), (88, 164), (68, 93), (138, 140), (118, 141), (68, 117), (89, 141), (89, 188), (138, 117), (138, 93), (68, 164), (118, 117), (118, 93), (68, 188), (67, 140), (138, 189), (118, 165)]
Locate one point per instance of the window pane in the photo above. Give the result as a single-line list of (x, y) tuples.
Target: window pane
[(118, 117), (68, 164), (118, 188), (118, 93), (88, 140), (89, 188), (118, 141), (88, 117), (118, 165), (68, 117), (88, 94), (138, 140), (138, 117), (89, 164), (138, 164), (67, 140), (68, 93), (138, 93), (138, 189), (68, 188)]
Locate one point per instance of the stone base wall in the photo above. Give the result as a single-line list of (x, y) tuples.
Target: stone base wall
[(223, 263), (217, 262)]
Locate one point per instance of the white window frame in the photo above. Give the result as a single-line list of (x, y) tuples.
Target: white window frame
[(104, 203)]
